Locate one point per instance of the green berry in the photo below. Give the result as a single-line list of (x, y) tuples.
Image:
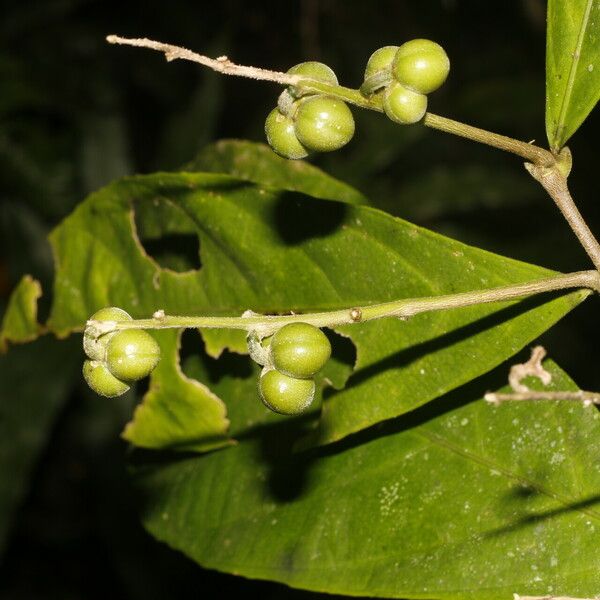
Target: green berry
[(421, 65), (101, 380), (300, 350), (314, 70), (95, 347), (132, 354), (286, 395), (324, 124), (380, 60), (403, 105), (281, 136)]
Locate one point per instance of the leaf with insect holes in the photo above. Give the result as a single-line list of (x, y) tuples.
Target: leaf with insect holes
[(277, 251)]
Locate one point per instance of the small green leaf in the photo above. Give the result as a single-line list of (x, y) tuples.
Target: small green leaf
[(19, 323), (459, 500), (258, 163), (572, 66), (177, 412)]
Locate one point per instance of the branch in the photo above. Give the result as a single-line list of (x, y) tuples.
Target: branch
[(530, 152), (404, 308), (555, 183), (533, 368), (517, 597), (586, 398), (222, 64)]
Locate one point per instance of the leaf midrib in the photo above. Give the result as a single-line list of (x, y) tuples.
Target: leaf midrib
[(572, 73)]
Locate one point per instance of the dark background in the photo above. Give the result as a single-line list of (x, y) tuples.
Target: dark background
[(76, 113)]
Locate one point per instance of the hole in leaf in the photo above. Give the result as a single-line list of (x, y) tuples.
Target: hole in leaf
[(177, 252), (298, 218), (342, 361), (167, 235), (197, 364)]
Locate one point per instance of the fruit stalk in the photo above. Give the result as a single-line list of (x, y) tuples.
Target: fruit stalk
[(403, 308)]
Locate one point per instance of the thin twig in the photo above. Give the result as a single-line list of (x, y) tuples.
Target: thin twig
[(221, 64), (527, 151), (534, 368), (517, 597), (586, 398)]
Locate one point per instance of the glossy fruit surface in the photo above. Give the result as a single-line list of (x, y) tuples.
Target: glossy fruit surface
[(95, 348), (132, 354), (403, 105), (300, 350), (286, 395), (314, 70), (324, 124), (101, 380), (281, 136), (421, 65), (380, 60)]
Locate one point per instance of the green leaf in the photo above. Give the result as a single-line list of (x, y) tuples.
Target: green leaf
[(258, 163), (572, 66), (36, 382), (19, 323), (458, 500), (275, 251), (177, 412)]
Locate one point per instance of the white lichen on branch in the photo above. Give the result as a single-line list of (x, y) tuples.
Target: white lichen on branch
[(221, 64)]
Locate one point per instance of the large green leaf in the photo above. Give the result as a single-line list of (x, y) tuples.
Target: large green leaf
[(458, 500), (274, 251), (572, 66)]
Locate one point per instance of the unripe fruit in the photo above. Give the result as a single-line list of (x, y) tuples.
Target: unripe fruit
[(323, 124), (403, 105), (286, 395), (95, 347), (101, 380), (314, 70), (132, 354), (380, 60), (300, 350), (281, 136), (421, 65)]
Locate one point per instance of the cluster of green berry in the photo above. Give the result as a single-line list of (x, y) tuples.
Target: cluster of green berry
[(404, 75), (304, 123), (117, 358), (291, 359)]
